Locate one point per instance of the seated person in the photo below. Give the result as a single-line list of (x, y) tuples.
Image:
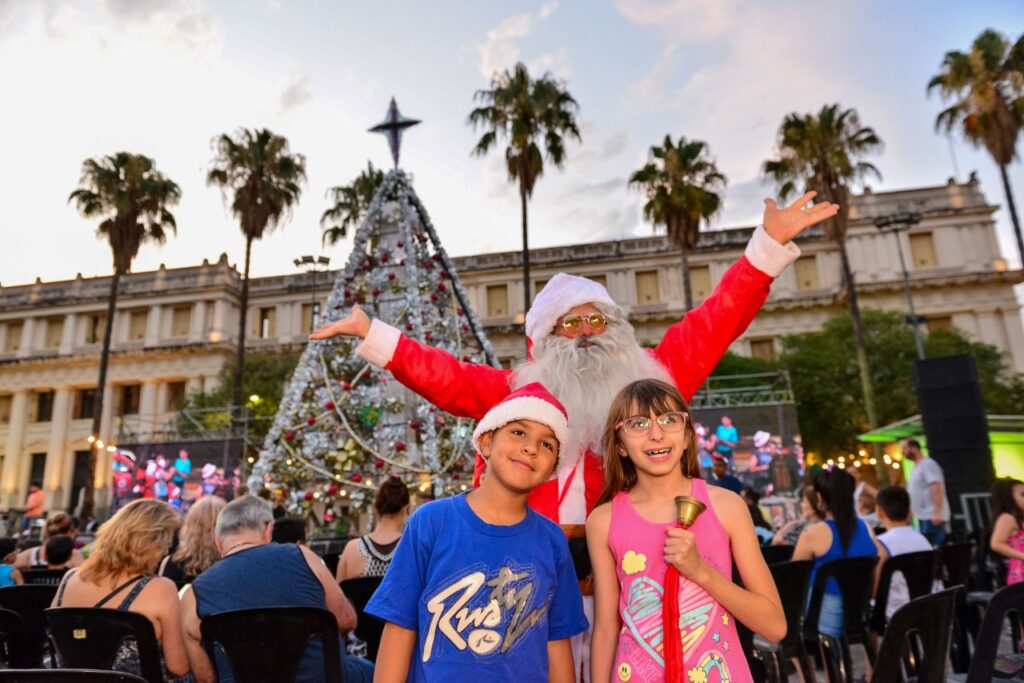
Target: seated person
[(119, 575), (289, 530), (58, 552), (56, 524), (252, 573), (9, 576), (893, 510)]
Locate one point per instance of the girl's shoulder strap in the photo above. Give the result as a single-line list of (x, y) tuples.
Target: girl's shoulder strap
[(63, 584)]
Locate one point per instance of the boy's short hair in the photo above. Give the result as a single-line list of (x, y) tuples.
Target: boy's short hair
[(288, 530), (58, 549), (8, 545), (894, 501)]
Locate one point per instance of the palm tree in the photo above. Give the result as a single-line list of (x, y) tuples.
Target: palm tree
[(823, 152), (131, 199), (680, 185), (987, 86), (529, 115), (350, 204), (262, 178)]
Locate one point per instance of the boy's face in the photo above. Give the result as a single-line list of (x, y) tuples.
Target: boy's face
[(521, 455)]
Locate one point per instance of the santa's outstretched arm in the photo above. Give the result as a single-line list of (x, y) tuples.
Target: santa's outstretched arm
[(691, 348)]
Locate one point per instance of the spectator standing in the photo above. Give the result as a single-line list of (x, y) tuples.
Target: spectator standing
[(118, 574), (892, 506), (34, 505), (927, 489), (197, 548), (726, 439), (253, 573), (370, 555), (1008, 529)]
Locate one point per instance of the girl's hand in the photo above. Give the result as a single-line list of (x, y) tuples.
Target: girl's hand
[(681, 552), (782, 225), (357, 324)]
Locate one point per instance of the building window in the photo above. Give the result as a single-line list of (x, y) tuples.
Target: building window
[(762, 349), (940, 323), (266, 322), (85, 400), (922, 250), (599, 279), (175, 396), (310, 317), (537, 286), (807, 273), (128, 399), (43, 407), (5, 409), (95, 325), (497, 301), (137, 325), (37, 469), (54, 330), (647, 291), (181, 321), (700, 282), (13, 342)]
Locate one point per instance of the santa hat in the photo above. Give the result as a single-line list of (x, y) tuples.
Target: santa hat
[(561, 293), (530, 402)]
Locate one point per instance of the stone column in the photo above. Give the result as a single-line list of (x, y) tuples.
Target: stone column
[(56, 458), (67, 337), (154, 325), (28, 329), (193, 384), (1015, 335), (220, 330), (197, 333), (12, 450), (147, 404)]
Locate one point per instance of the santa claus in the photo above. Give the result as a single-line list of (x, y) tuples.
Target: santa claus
[(584, 351)]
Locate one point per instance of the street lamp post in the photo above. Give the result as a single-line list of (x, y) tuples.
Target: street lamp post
[(897, 223), (311, 264)]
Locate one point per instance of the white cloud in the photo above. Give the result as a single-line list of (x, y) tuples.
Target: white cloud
[(556, 63), (295, 92), (501, 49)]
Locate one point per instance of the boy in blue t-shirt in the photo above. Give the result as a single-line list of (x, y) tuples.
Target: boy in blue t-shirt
[(480, 585)]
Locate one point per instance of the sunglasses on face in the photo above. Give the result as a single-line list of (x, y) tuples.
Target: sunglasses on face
[(596, 322), (640, 425)]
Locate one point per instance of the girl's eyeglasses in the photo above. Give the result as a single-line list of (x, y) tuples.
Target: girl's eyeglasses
[(596, 321), (639, 426)]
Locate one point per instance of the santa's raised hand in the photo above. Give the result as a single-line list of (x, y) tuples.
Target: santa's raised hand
[(782, 225), (356, 324)]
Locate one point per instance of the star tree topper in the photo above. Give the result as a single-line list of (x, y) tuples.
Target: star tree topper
[(393, 125)]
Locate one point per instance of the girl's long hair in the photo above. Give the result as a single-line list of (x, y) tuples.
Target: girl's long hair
[(645, 397), (1003, 501), (196, 548), (836, 490)]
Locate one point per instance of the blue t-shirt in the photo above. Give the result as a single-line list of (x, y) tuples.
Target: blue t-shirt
[(726, 434), (7, 575), (184, 467), (483, 599)]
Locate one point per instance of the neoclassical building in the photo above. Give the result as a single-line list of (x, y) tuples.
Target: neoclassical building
[(175, 328)]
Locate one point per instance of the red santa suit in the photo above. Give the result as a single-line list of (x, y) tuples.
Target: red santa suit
[(689, 351)]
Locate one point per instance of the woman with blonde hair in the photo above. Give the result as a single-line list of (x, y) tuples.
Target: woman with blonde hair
[(197, 549), (58, 524), (119, 575)]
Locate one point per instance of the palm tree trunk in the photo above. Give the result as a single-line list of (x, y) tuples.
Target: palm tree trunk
[(858, 338), (687, 289), (242, 315), (526, 260), (89, 499), (1013, 212)]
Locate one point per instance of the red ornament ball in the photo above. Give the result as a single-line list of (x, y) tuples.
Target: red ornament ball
[(289, 436), (435, 298), (332, 489), (415, 424), (356, 477), (376, 292), (309, 495), (442, 287), (330, 404), (399, 446), (400, 244), (311, 420), (379, 464), (392, 276), (345, 386)]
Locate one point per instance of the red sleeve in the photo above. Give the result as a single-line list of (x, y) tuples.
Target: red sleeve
[(462, 389), (692, 347)]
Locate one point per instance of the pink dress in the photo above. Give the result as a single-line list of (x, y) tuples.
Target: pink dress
[(1015, 573), (711, 648)]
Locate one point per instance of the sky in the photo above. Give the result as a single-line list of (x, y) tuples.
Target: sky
[(162, 78)]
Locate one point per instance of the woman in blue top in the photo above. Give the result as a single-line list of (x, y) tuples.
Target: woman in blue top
[(841, 535)]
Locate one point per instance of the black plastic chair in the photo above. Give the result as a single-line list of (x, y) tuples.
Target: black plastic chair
[(918, 570), (855, 576), (89, 637), (368, 627), (792, 580), (773, 554), (29, 602), (67, 676), (266, 645), (916, 643), (12, 629), (43, 577), (1007, 603), (955, 570)]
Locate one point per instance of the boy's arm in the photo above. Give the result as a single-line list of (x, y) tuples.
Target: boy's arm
[(394, 657), (560, 665)]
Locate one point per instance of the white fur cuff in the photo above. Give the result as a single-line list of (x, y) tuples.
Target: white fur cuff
[(379, 345), (767, 255)]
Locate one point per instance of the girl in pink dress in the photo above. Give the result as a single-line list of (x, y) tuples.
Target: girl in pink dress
[(650, 458), (1008, 530)]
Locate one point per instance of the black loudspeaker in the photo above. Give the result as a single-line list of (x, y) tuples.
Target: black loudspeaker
[(953, 416)]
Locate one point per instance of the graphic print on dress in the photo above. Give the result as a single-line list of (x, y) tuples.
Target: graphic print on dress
[(642, 615), (710, 662)]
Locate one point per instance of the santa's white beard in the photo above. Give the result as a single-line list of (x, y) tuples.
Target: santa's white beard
[(586, 378)]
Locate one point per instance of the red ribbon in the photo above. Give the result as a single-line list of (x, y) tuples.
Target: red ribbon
[(672, 638)]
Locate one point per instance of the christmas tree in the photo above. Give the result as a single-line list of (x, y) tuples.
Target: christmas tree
[(344, 425)]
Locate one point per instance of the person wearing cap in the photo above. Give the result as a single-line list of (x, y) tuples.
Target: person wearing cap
[(584, 351), (481, 586)]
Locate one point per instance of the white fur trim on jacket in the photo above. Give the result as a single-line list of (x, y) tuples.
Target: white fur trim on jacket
[(523, 408), (562, 292), (767, 255), (378, 347)]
